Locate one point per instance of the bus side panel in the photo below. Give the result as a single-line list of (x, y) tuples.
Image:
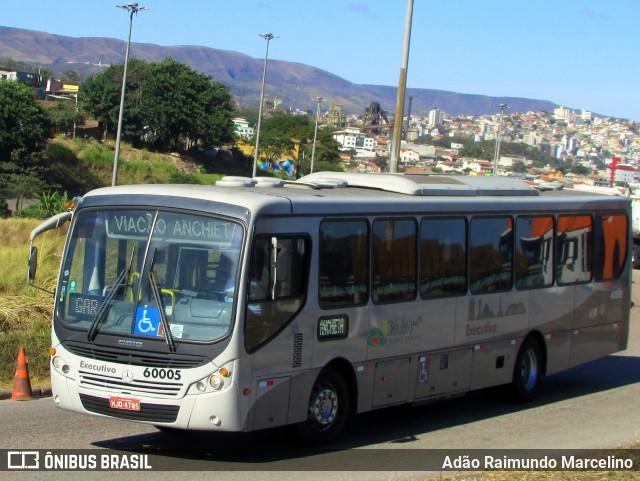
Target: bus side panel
[(276, 367), (492, 324), (593, 342), (493, 363), (352, 348), (558, 346), (272, 402), (552, 314), (484, 318), (391, 381), (402, 329), (440, 373), (599, 321)]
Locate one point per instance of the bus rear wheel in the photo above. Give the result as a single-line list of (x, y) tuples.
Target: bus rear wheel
[(528, 371), (328, 409)]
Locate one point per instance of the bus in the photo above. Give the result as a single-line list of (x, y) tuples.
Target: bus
[(257, 302)]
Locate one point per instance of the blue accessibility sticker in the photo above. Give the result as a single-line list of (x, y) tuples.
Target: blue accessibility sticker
[(147, 321)]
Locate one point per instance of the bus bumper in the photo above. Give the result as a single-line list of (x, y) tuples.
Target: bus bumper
[(209, 411)]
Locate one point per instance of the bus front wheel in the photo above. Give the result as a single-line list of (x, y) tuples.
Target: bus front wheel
[(328, 409), (528, 371)]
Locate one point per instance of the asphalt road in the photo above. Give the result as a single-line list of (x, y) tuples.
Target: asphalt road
[(592, 406)]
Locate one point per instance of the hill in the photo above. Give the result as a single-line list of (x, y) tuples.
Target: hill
[(296, 84)]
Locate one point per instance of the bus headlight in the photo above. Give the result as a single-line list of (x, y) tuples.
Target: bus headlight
[(216, 381), (59, 364)]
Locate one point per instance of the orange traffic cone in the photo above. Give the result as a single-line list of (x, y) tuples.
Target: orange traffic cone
[(22, 383)]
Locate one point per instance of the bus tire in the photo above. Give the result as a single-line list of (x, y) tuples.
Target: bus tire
[(328, 409), (528, 371)]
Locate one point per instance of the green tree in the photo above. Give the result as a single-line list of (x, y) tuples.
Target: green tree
[(70, 76), (279, 133), (168, 105), (64, 115), (580, 169), (100, 97), (24, 129)]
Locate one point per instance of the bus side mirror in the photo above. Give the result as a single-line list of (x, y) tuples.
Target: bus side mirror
[(33, 265), (33, 262)]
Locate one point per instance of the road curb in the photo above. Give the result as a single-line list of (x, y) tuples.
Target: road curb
[(38, 392)]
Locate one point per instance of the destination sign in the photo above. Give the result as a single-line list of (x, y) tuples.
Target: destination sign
[(172, 226), (333, 327), (84, 306)]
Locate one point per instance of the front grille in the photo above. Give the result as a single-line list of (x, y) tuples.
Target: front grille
[(92, 380), (155, 413), (134, 358)]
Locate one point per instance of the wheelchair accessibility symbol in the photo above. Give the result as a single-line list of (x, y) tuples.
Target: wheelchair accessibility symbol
[(147, 321)]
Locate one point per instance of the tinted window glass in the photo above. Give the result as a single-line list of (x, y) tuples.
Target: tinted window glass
[(443, 257), (491, 246), (344, 261), (573, 249), (611, 247), (393, 270), (534, 252), (277, 286)]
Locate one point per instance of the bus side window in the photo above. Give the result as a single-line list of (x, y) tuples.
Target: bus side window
[(491, 250), (393, 260), (443, 257), (611, 247), (534, 252), (277, 286), (344, 263), (573, 251)]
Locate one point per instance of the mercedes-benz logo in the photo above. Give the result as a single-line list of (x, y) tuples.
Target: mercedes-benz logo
[(127, 376)]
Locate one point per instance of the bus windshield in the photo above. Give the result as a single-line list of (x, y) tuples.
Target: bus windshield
[(138, 272)]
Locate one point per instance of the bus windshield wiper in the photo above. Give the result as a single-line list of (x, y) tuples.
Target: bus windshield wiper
[(104, 307), (163, 318)]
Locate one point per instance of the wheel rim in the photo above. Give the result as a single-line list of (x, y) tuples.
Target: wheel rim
[(529, 370), (324, 406)]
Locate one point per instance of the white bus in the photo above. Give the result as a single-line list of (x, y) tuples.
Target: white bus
[(258, 303)]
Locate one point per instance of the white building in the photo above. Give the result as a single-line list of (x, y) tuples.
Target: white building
[(563, 113), (352, 138), (479, 167), (409, 156), (623, 173), (435, 117), (242, 128)]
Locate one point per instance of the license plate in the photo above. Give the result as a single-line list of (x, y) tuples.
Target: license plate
[(125, 404)]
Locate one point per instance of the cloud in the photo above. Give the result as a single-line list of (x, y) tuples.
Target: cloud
[(592, 14), (360, 8)]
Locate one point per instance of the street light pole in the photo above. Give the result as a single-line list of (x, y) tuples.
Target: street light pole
[(131, 8), (496, 159), (268, 37), (315, 133)]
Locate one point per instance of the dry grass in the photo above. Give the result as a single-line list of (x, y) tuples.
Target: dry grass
[(25, 312)]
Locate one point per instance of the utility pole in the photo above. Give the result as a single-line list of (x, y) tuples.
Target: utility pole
[(315, 133), (402, 86)]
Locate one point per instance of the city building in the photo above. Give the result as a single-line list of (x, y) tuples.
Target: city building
[(352, 138), (242, 128)]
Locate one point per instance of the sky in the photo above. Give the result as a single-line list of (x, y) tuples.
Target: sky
[(582, 54)]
